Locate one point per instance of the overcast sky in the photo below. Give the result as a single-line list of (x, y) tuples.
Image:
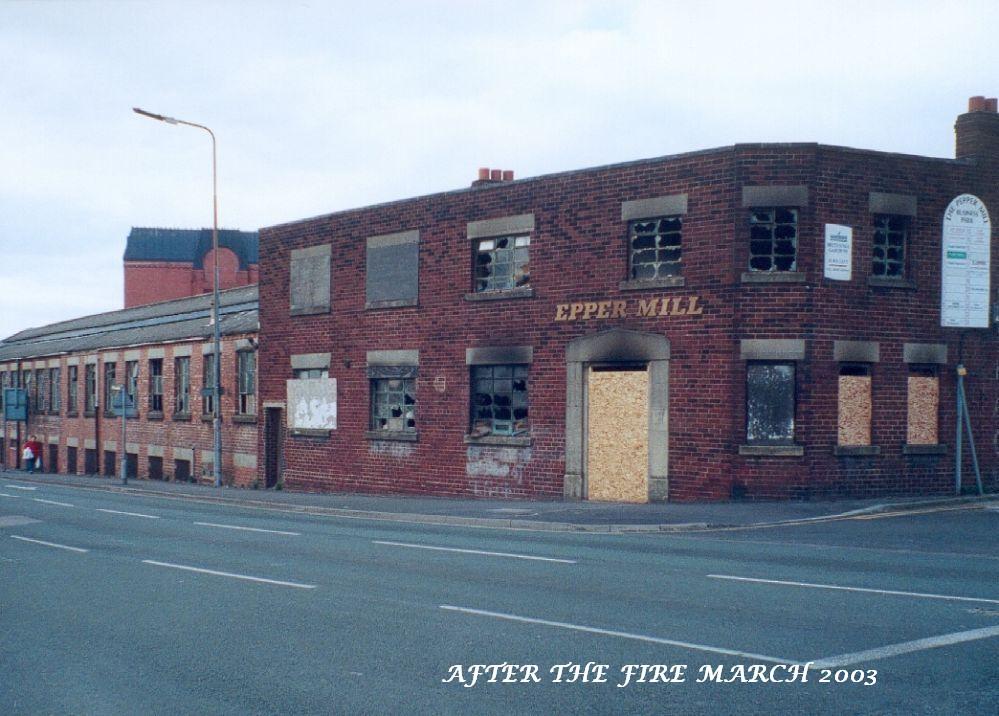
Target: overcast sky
[(323, 106)]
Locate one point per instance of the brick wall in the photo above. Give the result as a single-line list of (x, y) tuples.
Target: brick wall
[(155, 281), (170, 438), (578, 254)]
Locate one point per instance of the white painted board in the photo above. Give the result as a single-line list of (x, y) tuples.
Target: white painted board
[(965, 259), (839, 252)]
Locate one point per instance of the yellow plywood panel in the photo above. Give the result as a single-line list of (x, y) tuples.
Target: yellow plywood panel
[(924, 406), (854, 410), (618, 436)]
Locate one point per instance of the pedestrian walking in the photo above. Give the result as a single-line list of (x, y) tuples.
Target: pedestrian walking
[(32, 454)]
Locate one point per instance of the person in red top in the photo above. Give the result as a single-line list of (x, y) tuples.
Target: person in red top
[(35, 460)]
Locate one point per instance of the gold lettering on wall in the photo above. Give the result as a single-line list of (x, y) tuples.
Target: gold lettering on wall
[(641, 308)]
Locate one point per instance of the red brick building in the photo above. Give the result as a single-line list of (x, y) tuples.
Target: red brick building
[(657, 329), (162, 264), (163, 353)]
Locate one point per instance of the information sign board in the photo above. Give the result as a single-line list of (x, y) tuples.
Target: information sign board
[(965, 257)]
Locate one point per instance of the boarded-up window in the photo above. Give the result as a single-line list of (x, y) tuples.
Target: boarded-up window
[(924, 406), (309, 280), (770, 403), (854, 405), (393, 270)]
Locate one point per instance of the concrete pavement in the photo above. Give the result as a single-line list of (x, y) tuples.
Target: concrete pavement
[(543, 515)]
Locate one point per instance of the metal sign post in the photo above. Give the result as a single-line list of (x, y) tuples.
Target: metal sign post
[(120, 404), (964, 299)]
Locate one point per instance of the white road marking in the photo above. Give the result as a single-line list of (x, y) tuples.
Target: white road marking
[(836, 587), (50, 544), (52, 502), (21, 487), (229, 574), (248, 529), (474, 551), (4, 494), (622, 635), (933, 642), (130, 514)]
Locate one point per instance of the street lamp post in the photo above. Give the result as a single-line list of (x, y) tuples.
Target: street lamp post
[(216, 387)]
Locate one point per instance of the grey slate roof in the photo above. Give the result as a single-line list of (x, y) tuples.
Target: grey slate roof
[(180, 319), (189, 245)]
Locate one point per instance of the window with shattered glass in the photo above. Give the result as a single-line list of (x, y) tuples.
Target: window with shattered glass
[(499, 400), (502, 263), (770, 403), (393, 404), (310, 373), (890, 235), (773, 239), (654, 248)]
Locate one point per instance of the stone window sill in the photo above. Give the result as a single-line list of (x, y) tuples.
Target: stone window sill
[(773, 277), (500, 440), (856, 450), (309, 433), (393, 303), (207, 417), (924, 449), (310, 311), (523, 292), (882, 282), (772, 450), (72, 414), (245, 419), (181, 417), (154, 415), (89, 413), (640, 284), (393, 435)]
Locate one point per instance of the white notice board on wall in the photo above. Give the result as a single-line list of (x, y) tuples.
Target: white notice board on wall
[(964, 270), (839, 252)]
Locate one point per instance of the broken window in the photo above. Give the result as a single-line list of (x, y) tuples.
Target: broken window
[(499, 400), (502, 263), (770, 403), (208, 384), (73, 379), (182, 385), (854, 422), (393, 404), (41, 385), (109, 378), (890, 235), (90, 390), (156, 385), (923, 406), (132, 383), (55, 402), (773, 239), (246, 372), (654, 248)]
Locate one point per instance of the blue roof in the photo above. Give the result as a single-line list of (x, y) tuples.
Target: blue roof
[(189, 245)]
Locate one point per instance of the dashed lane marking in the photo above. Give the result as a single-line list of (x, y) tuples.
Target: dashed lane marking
[(21, 487), (52, 502), (232, 575), (474, 551), (620, 634), (129, 514), (810, 585), (248, 529), (50, 544)]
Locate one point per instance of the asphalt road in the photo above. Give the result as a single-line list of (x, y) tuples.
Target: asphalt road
[(124, 604)]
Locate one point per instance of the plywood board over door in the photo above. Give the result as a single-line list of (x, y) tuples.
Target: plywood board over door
[(617, 435)]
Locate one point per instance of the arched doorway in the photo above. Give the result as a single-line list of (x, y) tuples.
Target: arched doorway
[(617, 413)]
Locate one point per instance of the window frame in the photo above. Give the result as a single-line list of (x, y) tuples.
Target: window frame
[(181, 386), (154, 366), (72, 388), (788, 441), (407, 389), (478, 373), (657, 235), (905, 231), (90, 389), (110, 369), (772, 226), (55, 393), (208, 360), (514, 266), (246, 389)]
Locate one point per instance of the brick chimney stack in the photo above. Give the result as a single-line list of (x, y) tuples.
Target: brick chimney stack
[(489, 176), (978, 130)]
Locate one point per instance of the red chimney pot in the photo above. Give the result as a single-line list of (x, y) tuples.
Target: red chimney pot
[(991, 105), (508, 175), (496, 175), (977, 104), (483, 173)]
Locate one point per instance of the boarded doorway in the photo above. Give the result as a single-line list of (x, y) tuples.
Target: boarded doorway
[(272, 446), (617, 434)]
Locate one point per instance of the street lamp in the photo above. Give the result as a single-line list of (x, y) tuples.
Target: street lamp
[(216, 388)]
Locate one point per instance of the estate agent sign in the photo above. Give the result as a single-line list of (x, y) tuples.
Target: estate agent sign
[(964, 294)]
